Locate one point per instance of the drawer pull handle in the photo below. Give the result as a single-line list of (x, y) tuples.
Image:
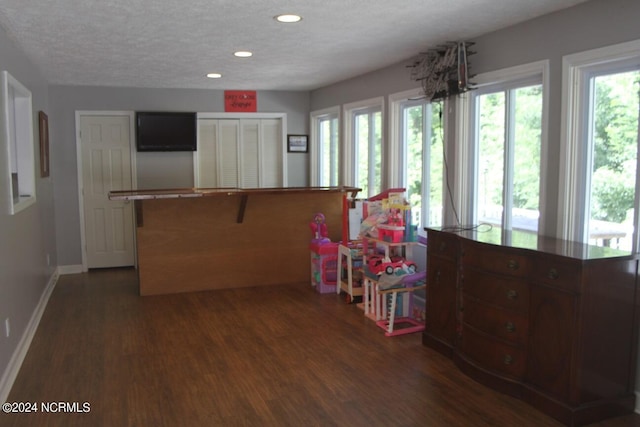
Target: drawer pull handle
[(512, 294), (510, 327), (508, 359), (553, 274), (512, 264)]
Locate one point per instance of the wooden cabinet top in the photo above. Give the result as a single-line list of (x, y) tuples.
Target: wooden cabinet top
[(530, 242)]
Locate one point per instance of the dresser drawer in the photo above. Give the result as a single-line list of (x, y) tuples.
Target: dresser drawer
[(558, 272), (497, 290), (493, 354), (504, 324), (495, 259), (442, 244)]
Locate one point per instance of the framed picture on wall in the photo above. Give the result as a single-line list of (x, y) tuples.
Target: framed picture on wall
[(297, 143), (43, 121)]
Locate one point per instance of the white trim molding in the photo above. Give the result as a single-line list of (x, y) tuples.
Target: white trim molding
[(460, 160), (11, 372), (70, 269)]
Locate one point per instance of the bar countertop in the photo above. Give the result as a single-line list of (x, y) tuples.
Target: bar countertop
[(175, 193)]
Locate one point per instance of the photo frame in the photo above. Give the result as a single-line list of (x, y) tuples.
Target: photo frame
[(43, 122), (297, 143)]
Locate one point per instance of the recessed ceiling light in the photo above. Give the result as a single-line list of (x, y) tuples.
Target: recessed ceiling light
[(243, 54), (288, 18), (214, 75)]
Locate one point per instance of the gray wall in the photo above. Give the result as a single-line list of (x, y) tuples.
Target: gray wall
[(27, 237), (154, 170)]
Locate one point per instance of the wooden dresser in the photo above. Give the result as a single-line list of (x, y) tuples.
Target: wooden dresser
[(552, 322)]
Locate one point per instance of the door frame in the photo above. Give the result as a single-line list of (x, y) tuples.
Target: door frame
[(134, 175)]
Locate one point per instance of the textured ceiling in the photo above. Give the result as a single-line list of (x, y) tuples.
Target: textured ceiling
[(175, 43)]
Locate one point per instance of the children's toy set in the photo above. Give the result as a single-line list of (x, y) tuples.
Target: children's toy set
[(324, 267), (394, 320), (324, 257), (374, 266), (378, 264)]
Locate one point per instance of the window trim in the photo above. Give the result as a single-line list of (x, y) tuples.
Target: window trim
[(17, 142), (577, 70)]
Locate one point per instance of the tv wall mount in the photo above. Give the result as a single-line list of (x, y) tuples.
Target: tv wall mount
[(443, 71)]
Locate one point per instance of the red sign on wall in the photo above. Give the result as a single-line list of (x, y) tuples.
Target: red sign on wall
[(240, 101)]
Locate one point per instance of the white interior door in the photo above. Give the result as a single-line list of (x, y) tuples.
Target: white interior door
[(227, 152), (106, 166), (249, 154), (271, 155), (207, 166)]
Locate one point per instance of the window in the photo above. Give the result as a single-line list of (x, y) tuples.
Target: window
[(419, 145), (17, 141), (364, 151), (599, 164), (325, 152), (613, 138), (507, 136)]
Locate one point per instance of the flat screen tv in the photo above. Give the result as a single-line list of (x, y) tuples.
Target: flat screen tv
[(165, 131)]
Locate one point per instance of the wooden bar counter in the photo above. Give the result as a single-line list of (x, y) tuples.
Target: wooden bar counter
[(213, 238)]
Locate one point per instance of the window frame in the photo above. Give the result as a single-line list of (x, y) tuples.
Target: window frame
[(397, 148), (349, 165), (17, 140), (315, 152), (575, 156), (467, 121)]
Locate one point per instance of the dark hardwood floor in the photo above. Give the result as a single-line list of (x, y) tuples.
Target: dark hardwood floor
[(265, 356)]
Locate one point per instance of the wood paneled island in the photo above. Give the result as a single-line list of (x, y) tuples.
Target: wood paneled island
[(213, 238)]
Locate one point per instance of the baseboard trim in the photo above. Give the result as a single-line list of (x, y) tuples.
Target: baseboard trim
[(70, 269), (11, 372)]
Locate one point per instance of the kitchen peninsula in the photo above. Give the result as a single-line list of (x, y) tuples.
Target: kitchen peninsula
[(198, 239)]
